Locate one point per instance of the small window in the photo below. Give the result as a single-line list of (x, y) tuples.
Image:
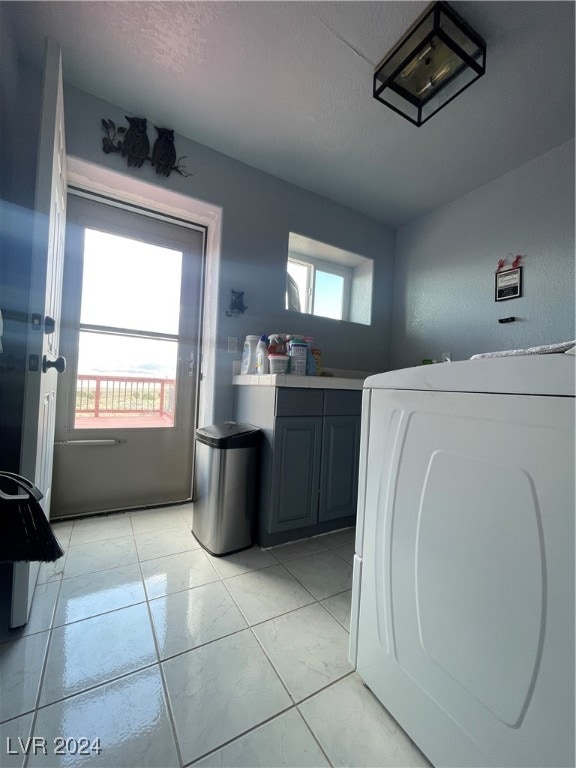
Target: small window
[(318, 288), (328, 282)]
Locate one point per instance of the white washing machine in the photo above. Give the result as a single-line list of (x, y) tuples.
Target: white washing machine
[(463, 594)]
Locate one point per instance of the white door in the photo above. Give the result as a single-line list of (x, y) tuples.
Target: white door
[(130, 331), (466, 621), (43, 362)]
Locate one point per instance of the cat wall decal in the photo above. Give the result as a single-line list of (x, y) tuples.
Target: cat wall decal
[(237, 306)]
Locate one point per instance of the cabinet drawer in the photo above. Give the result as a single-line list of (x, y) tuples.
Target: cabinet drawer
[(299, 402), (342, 402)]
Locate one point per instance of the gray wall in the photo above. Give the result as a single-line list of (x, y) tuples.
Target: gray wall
[(445, 264), (259, 212)]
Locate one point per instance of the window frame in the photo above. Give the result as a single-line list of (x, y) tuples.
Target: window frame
[(306, 306)]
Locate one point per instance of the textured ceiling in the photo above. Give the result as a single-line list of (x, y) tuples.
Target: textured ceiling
[(287, 87)]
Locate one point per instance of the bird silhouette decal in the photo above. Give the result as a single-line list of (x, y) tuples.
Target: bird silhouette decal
[(136, 144), (164, 152)]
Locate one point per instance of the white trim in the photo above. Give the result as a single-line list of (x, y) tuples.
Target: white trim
[(95, 178)]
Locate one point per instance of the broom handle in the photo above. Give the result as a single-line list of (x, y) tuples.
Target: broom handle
[(24, 483)]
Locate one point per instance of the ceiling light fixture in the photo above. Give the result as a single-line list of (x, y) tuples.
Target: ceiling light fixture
[(438, 58)]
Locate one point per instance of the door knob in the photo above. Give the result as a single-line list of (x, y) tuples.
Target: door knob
[(59, 364), (49, 325)]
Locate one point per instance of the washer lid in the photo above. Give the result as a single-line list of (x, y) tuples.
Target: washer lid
[(518, 375)]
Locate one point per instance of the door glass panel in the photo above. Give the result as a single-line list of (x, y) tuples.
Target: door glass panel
[(129, 379), (130, 284), (125, 382)]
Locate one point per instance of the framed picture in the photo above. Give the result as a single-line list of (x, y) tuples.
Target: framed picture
[(508, 284)]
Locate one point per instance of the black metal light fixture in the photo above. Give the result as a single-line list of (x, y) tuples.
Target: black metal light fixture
[(438, 58)]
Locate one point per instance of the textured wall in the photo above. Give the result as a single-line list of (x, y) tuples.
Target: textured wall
[(445, 264), (361, 299)]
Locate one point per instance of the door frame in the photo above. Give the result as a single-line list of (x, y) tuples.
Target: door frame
[(136, 193)]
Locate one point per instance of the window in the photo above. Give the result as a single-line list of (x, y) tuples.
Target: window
[(328, 282), (318, 288)]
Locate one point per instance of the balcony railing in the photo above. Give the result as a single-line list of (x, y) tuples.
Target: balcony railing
[(119, 395)]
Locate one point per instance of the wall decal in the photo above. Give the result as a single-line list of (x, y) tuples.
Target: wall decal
[(136, 144), (237, 306), (516, 262), (133, 143), (164, 152)]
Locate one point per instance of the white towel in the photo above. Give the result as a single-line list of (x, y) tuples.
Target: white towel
[(545, 349)]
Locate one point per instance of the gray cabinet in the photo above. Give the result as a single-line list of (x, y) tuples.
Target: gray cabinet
[(309, 462)]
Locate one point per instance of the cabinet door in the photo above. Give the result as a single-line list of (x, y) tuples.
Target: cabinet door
[(339, 473), (295, 473)]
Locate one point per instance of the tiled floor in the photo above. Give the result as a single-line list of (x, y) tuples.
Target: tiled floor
[(143, 645)]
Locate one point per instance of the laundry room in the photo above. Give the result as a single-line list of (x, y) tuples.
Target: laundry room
[(207, 177)]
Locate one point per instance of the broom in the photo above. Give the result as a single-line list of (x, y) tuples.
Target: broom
[(25, 533)]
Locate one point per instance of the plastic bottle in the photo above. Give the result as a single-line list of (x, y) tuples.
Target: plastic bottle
[(317, 355), (287, 341), (310, 360), (248, 365), (277, 344), (262, 364), (297, 351)]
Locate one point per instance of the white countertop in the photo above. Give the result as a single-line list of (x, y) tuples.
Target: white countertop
[(307, 382)]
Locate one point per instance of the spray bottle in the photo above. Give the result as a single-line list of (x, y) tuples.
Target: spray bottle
[(262, 364)]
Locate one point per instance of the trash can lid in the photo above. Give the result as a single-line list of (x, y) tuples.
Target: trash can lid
[(230, 434)]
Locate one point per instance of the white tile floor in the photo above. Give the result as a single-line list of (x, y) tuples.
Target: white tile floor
[(142, 644)]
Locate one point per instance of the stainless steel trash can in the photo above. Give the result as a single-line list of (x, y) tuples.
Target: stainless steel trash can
[(226, 487)]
